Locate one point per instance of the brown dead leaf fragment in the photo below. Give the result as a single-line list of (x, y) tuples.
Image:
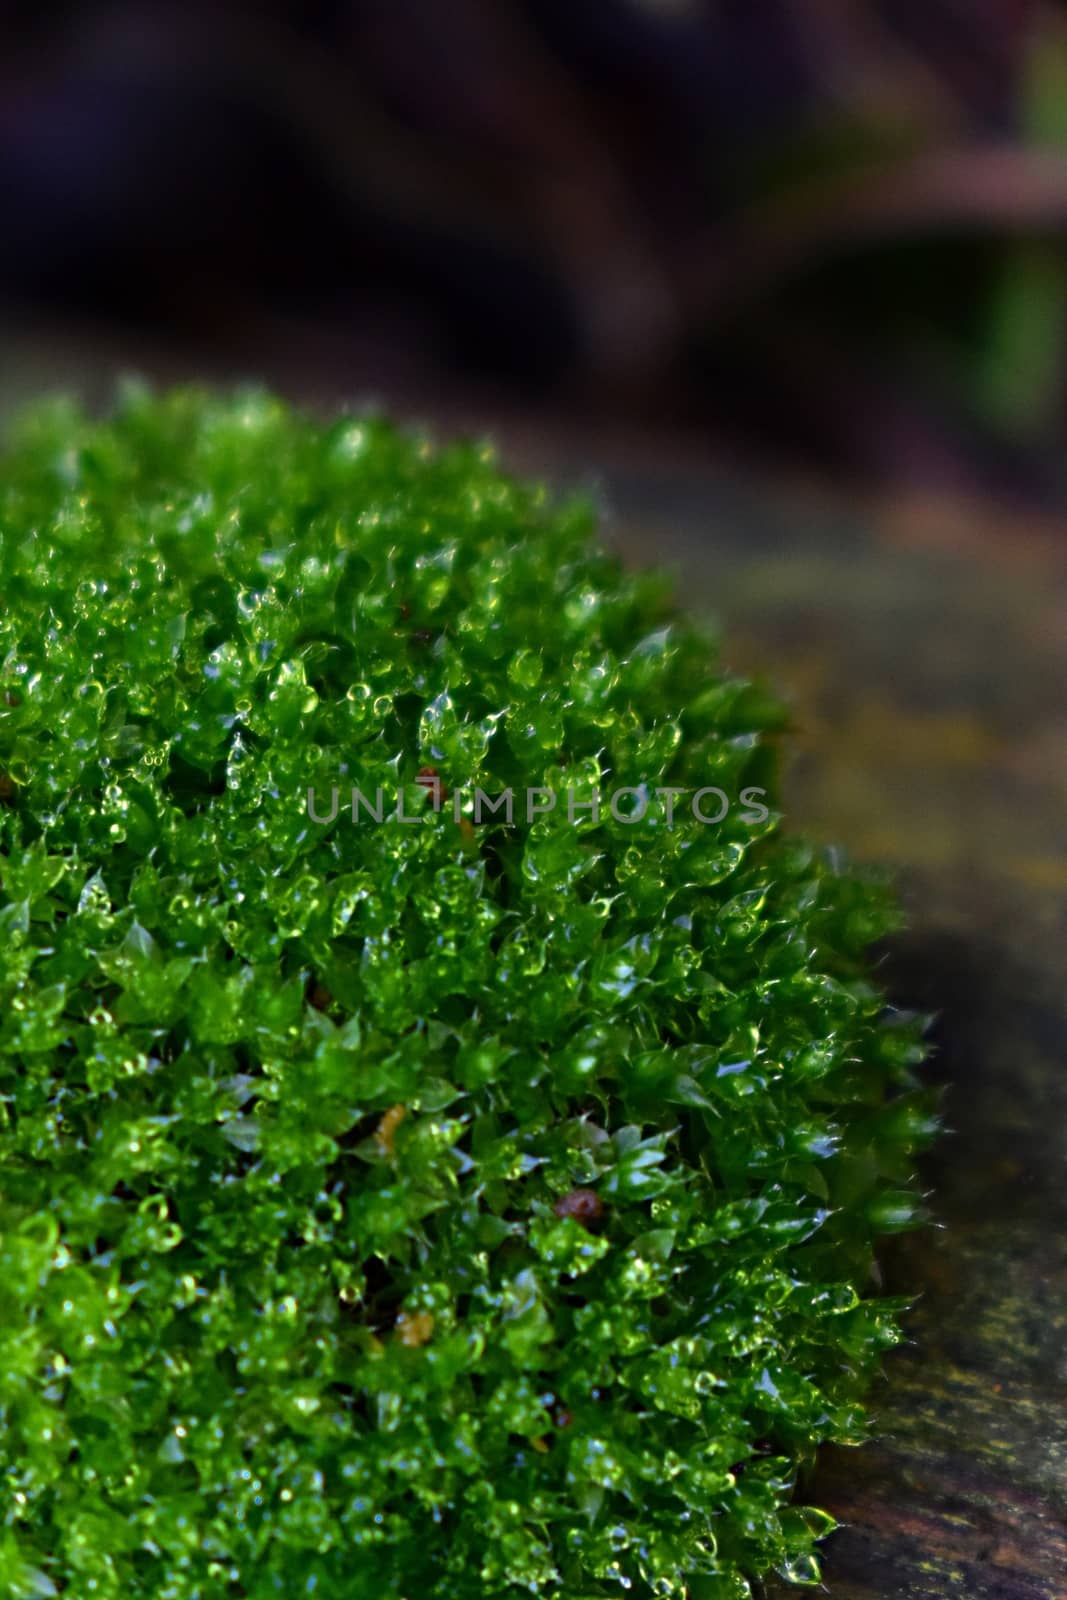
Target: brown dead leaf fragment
[(430, 779), (385, 1133), (414, 1328), (584, 1205)]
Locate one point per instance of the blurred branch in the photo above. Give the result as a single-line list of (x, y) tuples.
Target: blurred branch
[(995, 190)]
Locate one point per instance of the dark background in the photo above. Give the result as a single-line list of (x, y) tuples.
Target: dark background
[(825, 234)]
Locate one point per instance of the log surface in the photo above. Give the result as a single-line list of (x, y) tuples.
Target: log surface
[(926, 659)]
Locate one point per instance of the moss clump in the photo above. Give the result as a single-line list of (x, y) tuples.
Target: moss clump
[(448, 1209)]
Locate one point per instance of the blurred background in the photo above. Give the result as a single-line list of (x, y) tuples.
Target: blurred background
[(814, 235)]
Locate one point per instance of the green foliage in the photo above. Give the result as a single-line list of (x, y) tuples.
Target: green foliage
[(436, 1209)]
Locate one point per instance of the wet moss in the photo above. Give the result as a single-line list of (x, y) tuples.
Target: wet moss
[(298, 1293)]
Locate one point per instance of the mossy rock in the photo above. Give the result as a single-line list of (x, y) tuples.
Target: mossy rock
[(458, 1206)]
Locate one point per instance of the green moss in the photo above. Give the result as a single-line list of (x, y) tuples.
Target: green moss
[(405, 1209)]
